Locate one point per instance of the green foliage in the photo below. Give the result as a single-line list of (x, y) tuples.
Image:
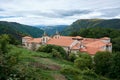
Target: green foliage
[(84, 61), (4, 40), (116, 44), (97, 32), (72, 57), (76, 74), (102, 62), (17, 30), (70, 70), (49, 49), (56, 54), (115, 66), (7, 60), (92, 23), (80, 63)]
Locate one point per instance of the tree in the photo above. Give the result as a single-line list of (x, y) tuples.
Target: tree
[(115, 66), (116, 44), (49, 49), (55, 53), (84, 61), (4, 40), (102, 62), (72, 57), (10, 67)]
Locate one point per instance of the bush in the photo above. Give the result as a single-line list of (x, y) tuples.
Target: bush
[(83, 61), (4, 40), (90, 73), (49, 49), (72, 57), (102, 62), (115, 66), (70, 70), (56, 54)]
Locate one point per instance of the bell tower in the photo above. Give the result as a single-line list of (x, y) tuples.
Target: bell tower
[(57, 35), (45, 38)]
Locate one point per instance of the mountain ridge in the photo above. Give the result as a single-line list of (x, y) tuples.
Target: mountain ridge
[(18, 30), (89, 23)]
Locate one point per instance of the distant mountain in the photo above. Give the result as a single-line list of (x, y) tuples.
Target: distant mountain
[(89, 23), (51, 30), (18, 30)]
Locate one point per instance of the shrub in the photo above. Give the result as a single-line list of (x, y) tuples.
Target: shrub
[(115, 66), (70, 70), (55, 53), (72, 57), (102, 62), (83, 61), (49, 49)]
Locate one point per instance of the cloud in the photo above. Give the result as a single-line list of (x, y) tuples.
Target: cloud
[(56, 12)]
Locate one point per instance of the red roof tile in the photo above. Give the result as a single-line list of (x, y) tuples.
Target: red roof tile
[(61, 42), (96, 44)]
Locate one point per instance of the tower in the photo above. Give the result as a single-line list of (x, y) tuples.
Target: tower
[(45, 38), (57, 35)]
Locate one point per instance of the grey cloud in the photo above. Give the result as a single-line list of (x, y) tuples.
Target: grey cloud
[(63, 13), (110, 12), (53, 13), (72, 12)]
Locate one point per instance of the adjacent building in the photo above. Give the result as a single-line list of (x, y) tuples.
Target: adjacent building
[(70, 44)]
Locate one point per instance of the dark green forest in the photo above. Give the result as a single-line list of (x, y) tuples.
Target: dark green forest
[(17, 30), (92, 23)]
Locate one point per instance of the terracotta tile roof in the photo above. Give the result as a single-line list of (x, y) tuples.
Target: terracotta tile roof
[(61, 42), (89, 40), (35, 40), (96, 44), (92, 50)]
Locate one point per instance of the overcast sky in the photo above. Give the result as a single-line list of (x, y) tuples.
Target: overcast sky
[(57, 12)]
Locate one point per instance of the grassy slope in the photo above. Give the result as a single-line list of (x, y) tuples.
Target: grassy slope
[(48, 67)]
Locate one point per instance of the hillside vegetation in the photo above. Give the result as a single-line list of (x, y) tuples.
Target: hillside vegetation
[(17, 63), (18, 30), (91, 23)]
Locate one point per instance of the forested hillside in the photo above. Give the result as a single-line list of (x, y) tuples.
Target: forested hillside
[(18, 30), (90, 23)]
